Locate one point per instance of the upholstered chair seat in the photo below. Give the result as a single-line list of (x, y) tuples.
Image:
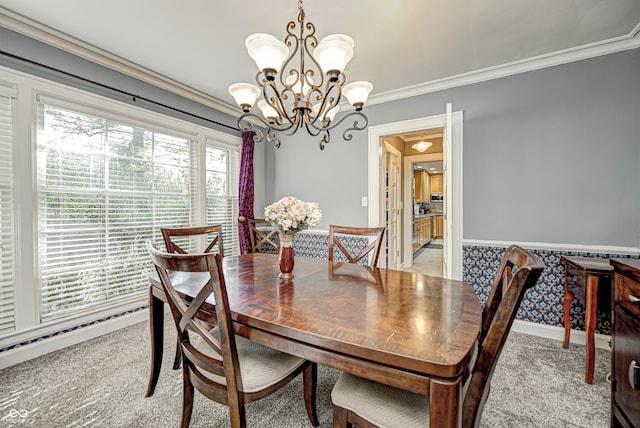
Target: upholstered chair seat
[(260, 366)]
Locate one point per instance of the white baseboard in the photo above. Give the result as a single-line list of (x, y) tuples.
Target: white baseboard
[(42, 347), (551, 332)]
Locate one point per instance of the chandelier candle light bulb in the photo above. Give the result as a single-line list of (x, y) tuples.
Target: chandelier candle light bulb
[(294, 77)]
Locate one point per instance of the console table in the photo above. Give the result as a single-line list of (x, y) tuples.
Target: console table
[(583, 277)]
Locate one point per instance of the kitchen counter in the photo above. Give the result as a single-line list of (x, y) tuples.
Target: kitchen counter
[(419, 216)]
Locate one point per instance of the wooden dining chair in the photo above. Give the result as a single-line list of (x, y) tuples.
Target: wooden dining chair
[(175, 238), (369, 404), (226, 368), (338, 235), (263, 236)]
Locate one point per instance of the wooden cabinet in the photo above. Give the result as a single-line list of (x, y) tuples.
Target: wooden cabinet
[(421, 185), (421, 232), (625, 343), (437, 184), (438, 226)]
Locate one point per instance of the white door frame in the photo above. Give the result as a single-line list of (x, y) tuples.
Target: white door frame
[(395, 209), (376, 178)]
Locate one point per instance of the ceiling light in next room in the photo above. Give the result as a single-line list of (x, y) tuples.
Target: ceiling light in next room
[(422, 146)]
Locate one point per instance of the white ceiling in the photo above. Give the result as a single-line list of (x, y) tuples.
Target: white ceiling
[(399, 45)]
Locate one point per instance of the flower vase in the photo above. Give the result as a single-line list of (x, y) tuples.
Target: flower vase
[(286, 257)]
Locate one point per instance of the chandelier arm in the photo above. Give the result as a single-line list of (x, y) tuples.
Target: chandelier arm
[(248, 127), (347, 135), (276, 101), (268, 125), (271, 136), (335, 124), (326, 139), (313, 131)]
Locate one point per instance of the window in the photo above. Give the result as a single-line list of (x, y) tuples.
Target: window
[(105, 186), (7, 229), (222, 171)]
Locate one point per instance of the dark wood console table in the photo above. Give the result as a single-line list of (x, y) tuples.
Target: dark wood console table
[(583, 277)]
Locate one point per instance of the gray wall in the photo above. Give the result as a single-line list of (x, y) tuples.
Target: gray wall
[(550, 156)]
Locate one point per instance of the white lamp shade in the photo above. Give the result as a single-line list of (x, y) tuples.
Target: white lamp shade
[(267, 51), (334, 52), (267, 111), (244, 93), (357, 92), (330, 114)]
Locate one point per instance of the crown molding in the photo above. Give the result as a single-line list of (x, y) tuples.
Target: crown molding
[(57, 39), (591, 50)]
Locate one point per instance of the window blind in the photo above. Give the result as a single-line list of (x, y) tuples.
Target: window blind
[(7, 229), (222, 176), (104, 188)]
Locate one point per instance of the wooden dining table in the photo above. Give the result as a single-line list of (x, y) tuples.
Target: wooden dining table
[(408, 330)]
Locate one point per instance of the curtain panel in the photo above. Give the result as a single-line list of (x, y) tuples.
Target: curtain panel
[(245, 191)]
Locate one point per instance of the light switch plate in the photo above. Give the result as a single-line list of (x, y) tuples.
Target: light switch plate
[(364, 201)]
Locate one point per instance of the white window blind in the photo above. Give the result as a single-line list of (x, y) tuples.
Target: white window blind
[(105, 187), (7, 250), (222, 176)]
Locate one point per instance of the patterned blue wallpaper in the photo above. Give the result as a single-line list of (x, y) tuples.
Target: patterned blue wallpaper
[(543, 303)]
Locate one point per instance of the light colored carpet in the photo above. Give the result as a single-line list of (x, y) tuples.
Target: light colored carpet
[(101, 383)]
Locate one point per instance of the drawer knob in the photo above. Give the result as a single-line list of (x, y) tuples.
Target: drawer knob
[(634, 374), (633, 299)]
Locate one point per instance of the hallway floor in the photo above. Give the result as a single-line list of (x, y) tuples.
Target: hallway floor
[(428, 260)]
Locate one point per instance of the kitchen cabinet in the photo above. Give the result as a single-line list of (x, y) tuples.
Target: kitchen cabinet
[(625, 344), (421, 232), (438, 226), (421, 187), (437, 183)]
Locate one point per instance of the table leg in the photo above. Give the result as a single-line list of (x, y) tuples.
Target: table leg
[(591, 319), (445, 403), (156, 324), (566, 305)]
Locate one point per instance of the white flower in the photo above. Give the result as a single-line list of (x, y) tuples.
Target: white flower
[(290, 215)]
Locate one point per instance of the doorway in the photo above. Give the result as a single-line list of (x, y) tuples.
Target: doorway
[(452, 161)]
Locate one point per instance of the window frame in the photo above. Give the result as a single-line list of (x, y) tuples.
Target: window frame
[(27, 283)]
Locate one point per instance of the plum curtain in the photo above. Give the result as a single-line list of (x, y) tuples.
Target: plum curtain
[(245, 191)]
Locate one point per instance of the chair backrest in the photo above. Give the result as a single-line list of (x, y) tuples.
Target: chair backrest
[(177, 238), (222, 358), (519, 270), (263, 236), (337, 233)]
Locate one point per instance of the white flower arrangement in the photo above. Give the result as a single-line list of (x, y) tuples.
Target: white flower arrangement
[(290, 215)]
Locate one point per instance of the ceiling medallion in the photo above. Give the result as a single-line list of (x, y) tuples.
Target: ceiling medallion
[(301, 82)]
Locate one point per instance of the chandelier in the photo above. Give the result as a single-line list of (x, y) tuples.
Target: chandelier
[(301, 82)]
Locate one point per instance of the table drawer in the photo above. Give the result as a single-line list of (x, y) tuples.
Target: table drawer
[(627, 294), (626, 358)]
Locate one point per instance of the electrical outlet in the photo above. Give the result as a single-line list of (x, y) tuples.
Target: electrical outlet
[(364, 201)]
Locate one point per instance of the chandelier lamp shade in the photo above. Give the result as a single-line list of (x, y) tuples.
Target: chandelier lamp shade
[(302, 82)]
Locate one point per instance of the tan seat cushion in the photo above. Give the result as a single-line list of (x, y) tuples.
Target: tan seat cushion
[(260, 366), (382, 405)]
